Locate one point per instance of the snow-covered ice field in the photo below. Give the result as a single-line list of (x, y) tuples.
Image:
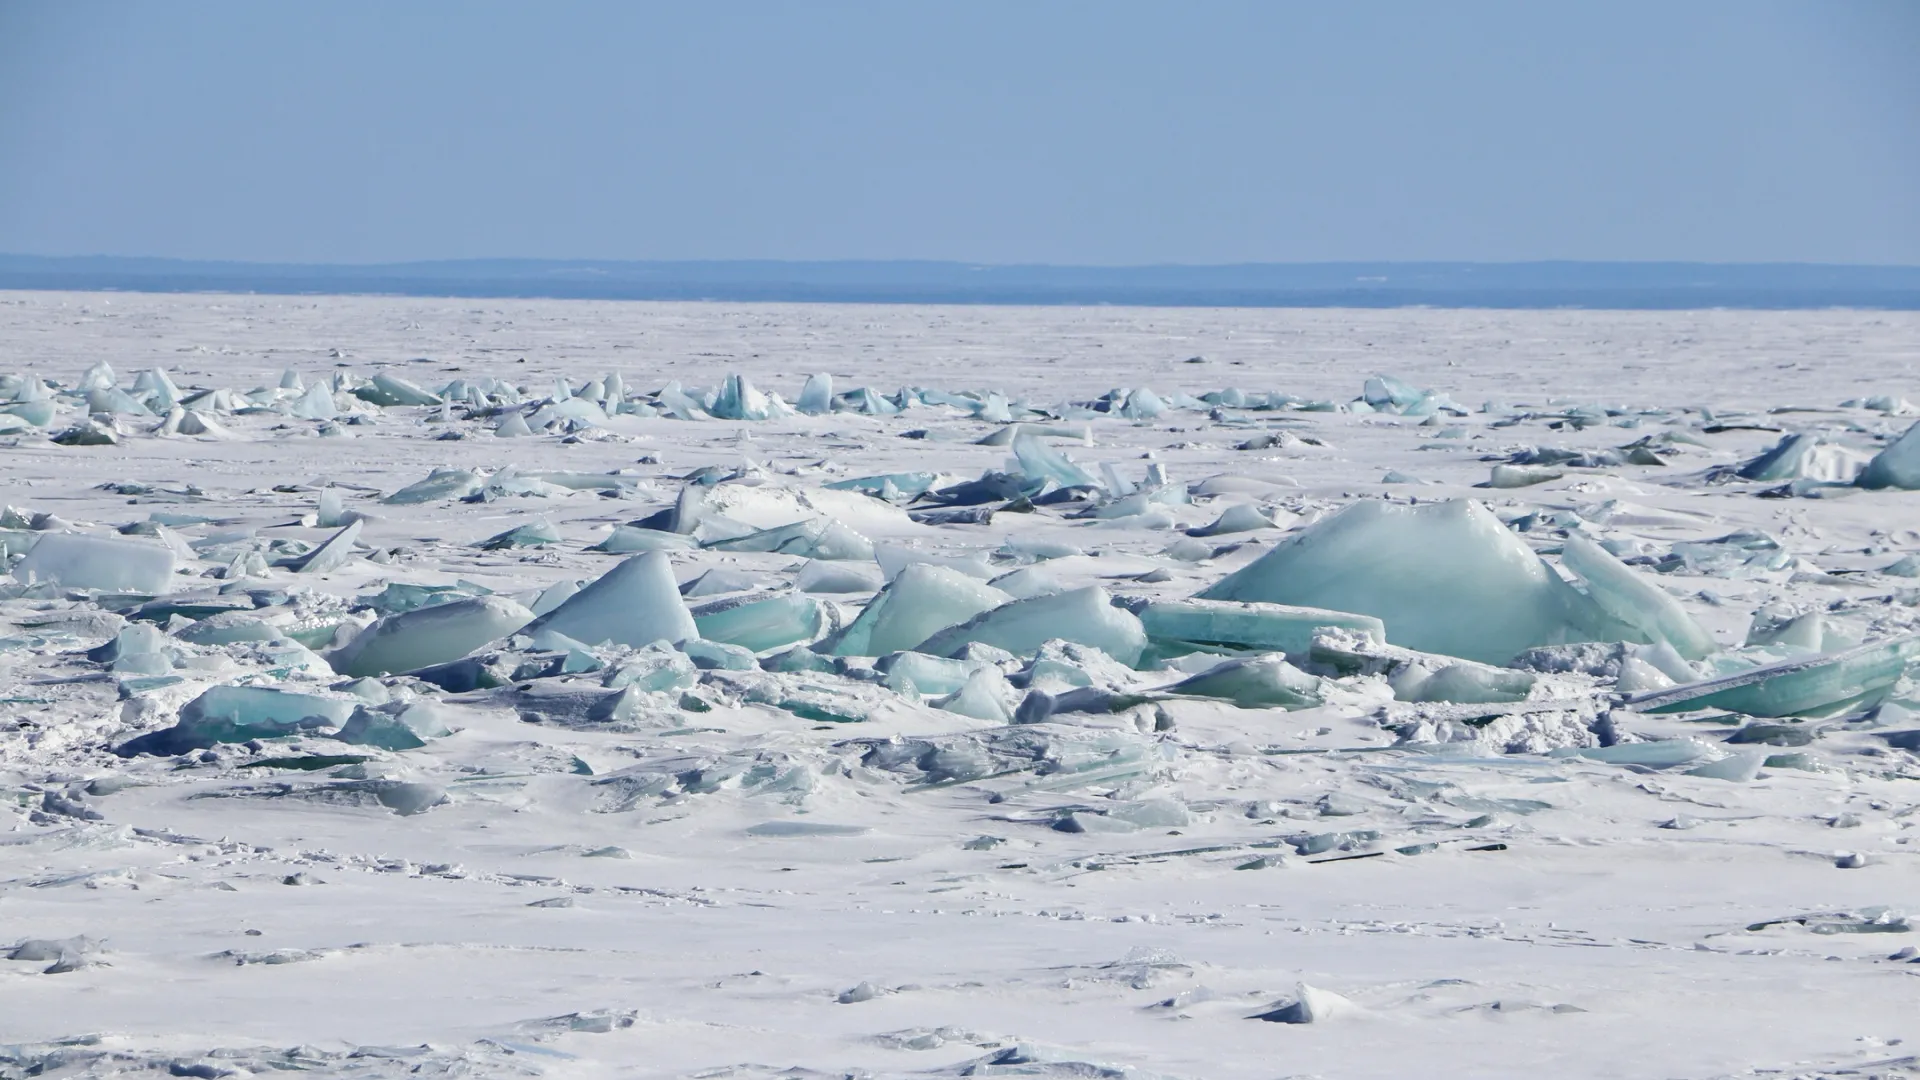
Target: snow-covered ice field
[(795, 843)]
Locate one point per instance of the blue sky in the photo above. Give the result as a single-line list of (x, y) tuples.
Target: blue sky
[(1104, 133)]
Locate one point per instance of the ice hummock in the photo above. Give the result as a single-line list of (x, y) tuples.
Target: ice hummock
[(429, 635), (228, 714), (635, 603), (1443, 577)]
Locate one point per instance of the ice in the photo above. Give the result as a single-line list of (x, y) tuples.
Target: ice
[(826, 576), (1247, 625), (227, 714), (537, 533), (79, 561), (820, 538), (922, 600), (918, 673), (1041, 462), (1092, 798), (1813, 686), (1443, 577), (1084, 616), (738, 400), (1897, 466), (635, 603), (331, 554), (984, 696), (627, 539), (439, 484), (332, 512), (1468, 684), (761, 624), (1256, 682), (392, 390), (1238, 518), (1310, 1004), (429, 635), (816, 399), (395, 725), (1633, 601)]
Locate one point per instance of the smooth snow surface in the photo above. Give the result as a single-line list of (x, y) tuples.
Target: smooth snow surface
[(399, 687)]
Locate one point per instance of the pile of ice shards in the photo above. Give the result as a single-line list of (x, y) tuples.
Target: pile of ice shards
[(1054, 617)]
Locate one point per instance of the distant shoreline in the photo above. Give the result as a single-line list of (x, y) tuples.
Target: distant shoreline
[(1528, 286)]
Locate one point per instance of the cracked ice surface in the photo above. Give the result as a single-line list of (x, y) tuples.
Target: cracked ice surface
[(501, 688)]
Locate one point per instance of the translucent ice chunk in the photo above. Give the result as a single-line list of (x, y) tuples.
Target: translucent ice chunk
[(78, 561), (1898, 466), (225, 714), (1142, 404), (1444, 578), (1633, 600), (316, 404), (761, 624), (916, 672), (512, 426), (659, 666), (1085, 616), (1803, 457), (439, 484), (1519, 476), (821, 538), (1470, 684), (392, 390), (985, 696), (1040, 461), (816, 398), (922, 600), (634, 603), (895, 558), (1813, 686), (1256, 682), (1248, 625), (626, 539), (553, 596), (738, 400), (332, 554), (1028, 582), (1388, 394), (332, 512), (429, 635), (1804, 631), (395, 725), (720, 581), (1660, 754), (821, 576), (537, 533), (1240, 517)]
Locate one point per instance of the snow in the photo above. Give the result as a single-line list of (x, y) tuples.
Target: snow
[(588, 830)]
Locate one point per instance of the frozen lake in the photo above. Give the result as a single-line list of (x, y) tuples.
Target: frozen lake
[(784, 855)]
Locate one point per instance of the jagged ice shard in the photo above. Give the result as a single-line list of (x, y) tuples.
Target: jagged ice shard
[(1443, 577), (635, 603), (921, 601), (1631, 599)]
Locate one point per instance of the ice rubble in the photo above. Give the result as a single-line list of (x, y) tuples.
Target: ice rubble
[(1026, 631)]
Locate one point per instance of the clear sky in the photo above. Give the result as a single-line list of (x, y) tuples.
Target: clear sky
[(1104, 132)]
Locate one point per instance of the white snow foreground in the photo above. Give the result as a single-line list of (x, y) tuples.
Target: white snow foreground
[(613, 716)]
